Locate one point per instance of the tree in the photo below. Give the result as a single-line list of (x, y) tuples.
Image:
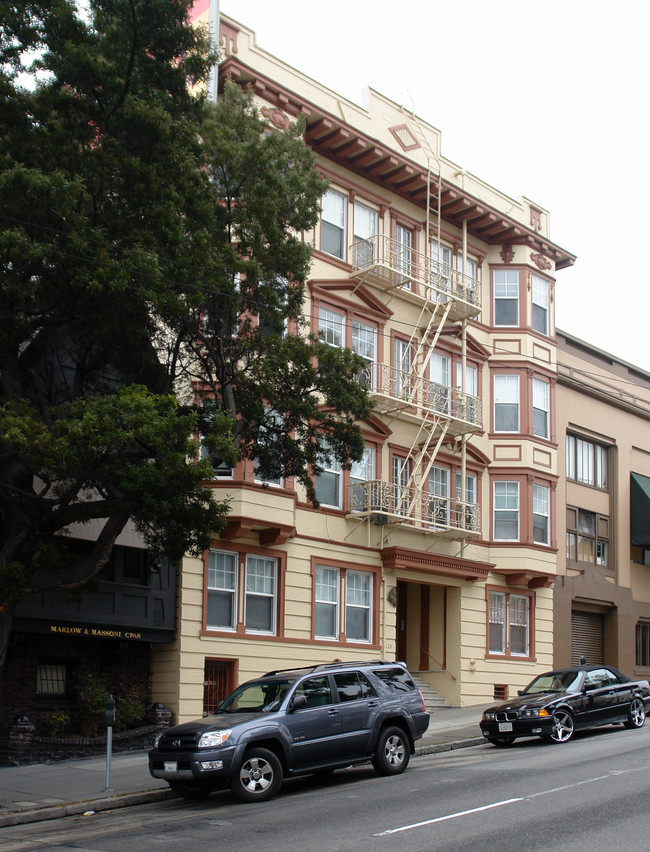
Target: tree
[(150, 258)]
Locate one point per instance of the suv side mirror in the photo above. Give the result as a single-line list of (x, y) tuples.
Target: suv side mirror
[(298, 702)]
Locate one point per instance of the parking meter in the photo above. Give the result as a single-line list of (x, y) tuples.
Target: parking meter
[(110, 711)]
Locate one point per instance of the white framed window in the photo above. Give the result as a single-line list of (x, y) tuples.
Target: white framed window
[(471, 378), (358, 609), (403, 256), (586, 461), (328, 483), (541, 513), (506, 403), (360, 472), (467, 513), (400, 478), (401, 368), (440, 371), (222, 590), (331, 327), (261, 594), (333, 223), (441, 261), (541, 396), (221, 469), (365, 230), (506, 297), (470, 487), (326, 610), (508, 624), (541, 290), (497, 623), (518, 611), (439, 500), (471, 267), (506, 510), (364, 343)]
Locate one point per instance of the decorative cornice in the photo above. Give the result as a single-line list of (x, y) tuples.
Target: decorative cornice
[(403, 558)]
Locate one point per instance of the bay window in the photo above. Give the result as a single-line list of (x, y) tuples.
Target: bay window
[(541, 289), (506, 403), (506, 511), (541, 395), (541, 514), (506, 297)]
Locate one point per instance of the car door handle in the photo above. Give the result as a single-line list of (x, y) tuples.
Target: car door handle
[(373, 704), (333, 712)]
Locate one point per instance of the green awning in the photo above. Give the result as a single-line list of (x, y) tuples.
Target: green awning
[(640, 510)]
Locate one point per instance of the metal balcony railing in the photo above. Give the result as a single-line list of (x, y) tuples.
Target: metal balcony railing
[(396, 390), (385, 503), (388, 265)]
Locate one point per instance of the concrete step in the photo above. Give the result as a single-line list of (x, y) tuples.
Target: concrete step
[(432, 698)]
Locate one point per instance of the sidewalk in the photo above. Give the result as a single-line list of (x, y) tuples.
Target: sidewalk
[(46, 791)]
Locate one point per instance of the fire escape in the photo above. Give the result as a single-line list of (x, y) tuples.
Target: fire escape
[(442, 294)]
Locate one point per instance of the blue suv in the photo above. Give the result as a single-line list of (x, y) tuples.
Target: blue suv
[(292, 722)]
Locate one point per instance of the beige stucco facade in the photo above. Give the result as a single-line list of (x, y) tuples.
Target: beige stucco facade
[(442, 550), (602, 598)]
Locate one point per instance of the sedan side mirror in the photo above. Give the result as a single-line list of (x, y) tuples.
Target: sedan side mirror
[(520, 692), (298, 702)]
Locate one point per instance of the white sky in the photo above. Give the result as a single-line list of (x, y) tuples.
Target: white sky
[(547, 100)]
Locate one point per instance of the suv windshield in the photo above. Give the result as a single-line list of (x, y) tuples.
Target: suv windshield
[(259, 696), (553, 682)]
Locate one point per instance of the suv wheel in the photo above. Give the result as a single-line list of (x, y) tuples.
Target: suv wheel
[(258, 778), (392, 753), (190, 789)]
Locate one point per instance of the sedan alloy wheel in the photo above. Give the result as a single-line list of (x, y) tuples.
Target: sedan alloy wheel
[(563, 726), (636, 714)]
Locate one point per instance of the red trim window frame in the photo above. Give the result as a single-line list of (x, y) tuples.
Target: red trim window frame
[(330, 591), (505, 627)]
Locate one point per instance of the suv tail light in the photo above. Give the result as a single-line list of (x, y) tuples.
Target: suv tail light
[(424, 706)]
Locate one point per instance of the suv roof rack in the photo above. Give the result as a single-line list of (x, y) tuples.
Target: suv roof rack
[(319, 667)]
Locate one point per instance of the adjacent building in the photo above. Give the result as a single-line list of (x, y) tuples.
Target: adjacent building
[(439, 546), (602, 596)]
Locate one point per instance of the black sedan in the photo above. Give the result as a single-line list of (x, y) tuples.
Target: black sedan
[(558, 703)]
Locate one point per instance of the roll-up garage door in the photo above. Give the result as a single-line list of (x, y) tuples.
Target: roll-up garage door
[(587, 632)]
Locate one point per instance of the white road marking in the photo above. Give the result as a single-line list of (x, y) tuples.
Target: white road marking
[(446, 817), (492, 805)]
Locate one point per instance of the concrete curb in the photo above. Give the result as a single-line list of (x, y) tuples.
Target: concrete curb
[(437, 748), (110, 803)]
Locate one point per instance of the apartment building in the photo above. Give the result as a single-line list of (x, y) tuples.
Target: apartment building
[(439, 546), (602, 596)]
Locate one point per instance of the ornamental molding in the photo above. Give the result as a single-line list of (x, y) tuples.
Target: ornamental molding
[(541, 262)]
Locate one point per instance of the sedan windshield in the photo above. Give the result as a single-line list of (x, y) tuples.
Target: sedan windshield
[(566, 681), (256, 697)]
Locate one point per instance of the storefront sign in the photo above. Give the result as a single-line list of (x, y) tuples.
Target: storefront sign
[(97, 632)]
